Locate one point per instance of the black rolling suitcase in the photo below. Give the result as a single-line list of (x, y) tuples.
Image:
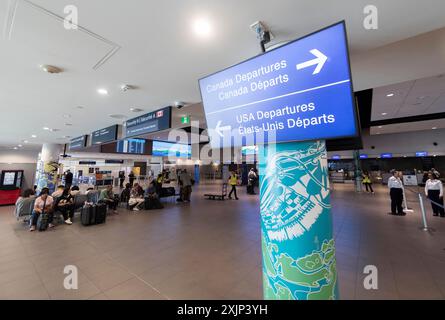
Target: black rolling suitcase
[(148, 203), (101, 213), (88, 215)]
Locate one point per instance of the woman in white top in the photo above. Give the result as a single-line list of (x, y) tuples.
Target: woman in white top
[(434, 192)]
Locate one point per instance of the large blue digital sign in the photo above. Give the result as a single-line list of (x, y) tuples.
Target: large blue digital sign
[(300, 91)]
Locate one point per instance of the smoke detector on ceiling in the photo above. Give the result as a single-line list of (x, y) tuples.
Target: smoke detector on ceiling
[(126, 87), (50, 69)]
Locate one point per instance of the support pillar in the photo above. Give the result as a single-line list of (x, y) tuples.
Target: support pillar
[(296, 222), (358, 171), (48, 166)]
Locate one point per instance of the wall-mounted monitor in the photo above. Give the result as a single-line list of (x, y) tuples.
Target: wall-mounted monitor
[(336, 157), (104, 135), (78, 143), (421, 154), (151, 122), (364, 156), (168, 149), (386, 155), (11, 179), (249, 150), (134, 146)]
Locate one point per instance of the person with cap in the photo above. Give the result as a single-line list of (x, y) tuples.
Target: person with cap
[(434, 192), (395, 186)]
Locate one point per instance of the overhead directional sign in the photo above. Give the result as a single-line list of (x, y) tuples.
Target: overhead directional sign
[(300, 91), (151, 122), (78, 143), (104, 135)]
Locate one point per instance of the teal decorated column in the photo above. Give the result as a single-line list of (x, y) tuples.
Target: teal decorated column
[(296, 222)]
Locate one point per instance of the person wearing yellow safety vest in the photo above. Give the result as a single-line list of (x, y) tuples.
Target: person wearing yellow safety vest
[(233, 181), (367, 181)]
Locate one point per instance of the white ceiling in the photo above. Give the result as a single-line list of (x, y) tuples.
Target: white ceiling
[(149, 44), (426, 125), (411, 98)]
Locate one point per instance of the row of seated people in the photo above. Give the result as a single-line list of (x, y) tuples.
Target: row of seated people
[(64, 202), (138, 199)]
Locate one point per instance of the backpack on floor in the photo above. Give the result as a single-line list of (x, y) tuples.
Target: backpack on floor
[(42, 222)]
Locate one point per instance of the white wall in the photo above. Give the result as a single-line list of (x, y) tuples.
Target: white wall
[(401, 144), (18, 156)]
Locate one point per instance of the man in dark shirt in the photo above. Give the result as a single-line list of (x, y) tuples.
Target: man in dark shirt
[(68, 179)]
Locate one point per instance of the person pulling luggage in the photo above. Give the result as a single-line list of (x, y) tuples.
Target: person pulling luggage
[(251, 181)]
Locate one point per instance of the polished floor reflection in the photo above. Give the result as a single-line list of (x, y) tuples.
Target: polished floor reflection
[(211, 250)]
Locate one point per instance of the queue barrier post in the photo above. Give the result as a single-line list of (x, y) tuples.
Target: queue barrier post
[(422, 208)]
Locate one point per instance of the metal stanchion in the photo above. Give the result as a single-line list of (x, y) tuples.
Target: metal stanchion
[(422, 208), (406, 209)]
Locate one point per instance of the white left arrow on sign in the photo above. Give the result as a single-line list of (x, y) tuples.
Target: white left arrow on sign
[(320, 60), (220, 129)]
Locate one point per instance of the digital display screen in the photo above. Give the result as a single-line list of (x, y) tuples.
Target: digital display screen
[(168, 149), (104, 135), (386, 155), (9, 178), (336, 157), (249, 150), (363, 156), (299, 91), (135, 146), (421, 154)]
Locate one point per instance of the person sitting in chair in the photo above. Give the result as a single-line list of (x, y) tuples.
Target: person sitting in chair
[(43, 204), (153, 197), (65, 205), (136, 201)]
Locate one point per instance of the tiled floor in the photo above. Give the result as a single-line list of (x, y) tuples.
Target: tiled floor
[(211, 250)]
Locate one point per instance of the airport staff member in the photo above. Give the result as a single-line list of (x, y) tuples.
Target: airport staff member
[(434, 192), (396, 193), (233, 181)]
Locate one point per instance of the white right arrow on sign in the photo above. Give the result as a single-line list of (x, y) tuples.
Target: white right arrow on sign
[(320, 60)]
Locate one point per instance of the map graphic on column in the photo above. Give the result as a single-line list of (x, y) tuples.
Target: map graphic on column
[(298, 247)]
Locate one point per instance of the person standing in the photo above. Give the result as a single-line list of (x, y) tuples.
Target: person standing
[(68, 178), (131, 178), (251, 180), (396, 193), (121, 179), (233, 181), (367, 182), (434, 192), (186, 184)]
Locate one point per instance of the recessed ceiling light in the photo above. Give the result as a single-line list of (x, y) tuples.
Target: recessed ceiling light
[(33, 136), (45, 128), (19, 145), (66, 137), (67, 116), (68, 124), (54, 130), (50, 69), (25, 141), (79, 107), (202, 27), (134, 109), (102, 91), (384, 113), (434, 128), (15, 148), (390, 95)]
